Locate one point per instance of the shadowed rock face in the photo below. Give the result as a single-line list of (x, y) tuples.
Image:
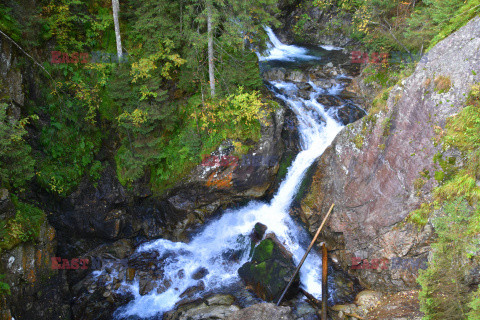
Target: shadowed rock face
[(370, 169)]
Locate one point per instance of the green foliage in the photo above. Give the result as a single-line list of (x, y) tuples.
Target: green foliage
[(69, 143), (76, 25), (4, 287), (25, 226), (444, 292), (385, 26), (474, 306), (9, 24), (16, 163), (455, 21), (445, 295), (199, 130)]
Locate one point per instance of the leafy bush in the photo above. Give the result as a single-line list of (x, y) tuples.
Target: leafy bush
[(25, 226), (16, 162), (69, 143), (444, 292), (4, 287)]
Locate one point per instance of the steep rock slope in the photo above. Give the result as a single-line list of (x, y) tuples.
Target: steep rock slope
[(370, 170)]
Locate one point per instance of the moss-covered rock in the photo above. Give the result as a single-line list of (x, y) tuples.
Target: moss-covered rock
[(269, 270)]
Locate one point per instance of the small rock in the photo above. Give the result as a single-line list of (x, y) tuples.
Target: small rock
[(181, 274), (368, 299), (275, 74), (189, 292), (130, 274), (200, 273), (258, 232), (146, 286), (296, 76)]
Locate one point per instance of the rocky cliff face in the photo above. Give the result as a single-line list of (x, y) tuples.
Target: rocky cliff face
[(372, 169), (37, 291)]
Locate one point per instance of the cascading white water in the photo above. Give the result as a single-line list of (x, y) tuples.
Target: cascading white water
[(209, 248), (279, 51)]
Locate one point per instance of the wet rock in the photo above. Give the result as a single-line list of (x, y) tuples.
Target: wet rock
[(328, 100), (200, 273), (99, 301), (143, 260), (216, 307), (263, 311), (296, 76), (232, 255), (145, 286), (191, 291), (349, 113), (324, 84), (269, 270), (164, 285), (130, 274), (258, 232), (220, 299), (181, 274), (304, 90), (275, 74)]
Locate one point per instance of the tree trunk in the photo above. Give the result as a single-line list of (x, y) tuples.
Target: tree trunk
[(116, 9), (211, 66)]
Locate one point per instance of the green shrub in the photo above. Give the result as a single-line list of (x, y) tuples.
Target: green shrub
[(4, 287), (16, 162), (444, 293), (25, 226)]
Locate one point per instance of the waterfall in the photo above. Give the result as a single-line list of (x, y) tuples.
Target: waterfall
[(210, 246)]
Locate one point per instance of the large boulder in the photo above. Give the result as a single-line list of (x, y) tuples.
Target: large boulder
[(376, 169), (269, 270)]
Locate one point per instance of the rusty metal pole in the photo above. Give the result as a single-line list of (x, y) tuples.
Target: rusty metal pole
[(306, 254), (324, 281)]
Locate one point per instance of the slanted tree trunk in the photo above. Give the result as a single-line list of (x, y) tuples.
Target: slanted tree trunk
[(116, 9), (211, 65)]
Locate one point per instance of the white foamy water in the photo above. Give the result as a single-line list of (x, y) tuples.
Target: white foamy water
[(212, 247), (279, 51), (330, 47)]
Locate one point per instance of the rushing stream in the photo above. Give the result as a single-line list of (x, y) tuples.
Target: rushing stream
[(211, 246)]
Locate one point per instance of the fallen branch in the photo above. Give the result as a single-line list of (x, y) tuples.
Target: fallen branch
[(311, 299)]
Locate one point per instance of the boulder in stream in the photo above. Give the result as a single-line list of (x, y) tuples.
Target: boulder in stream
[(270, 269)]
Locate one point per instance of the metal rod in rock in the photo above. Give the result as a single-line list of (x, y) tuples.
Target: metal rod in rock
[(305, 255), (324, 281)]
